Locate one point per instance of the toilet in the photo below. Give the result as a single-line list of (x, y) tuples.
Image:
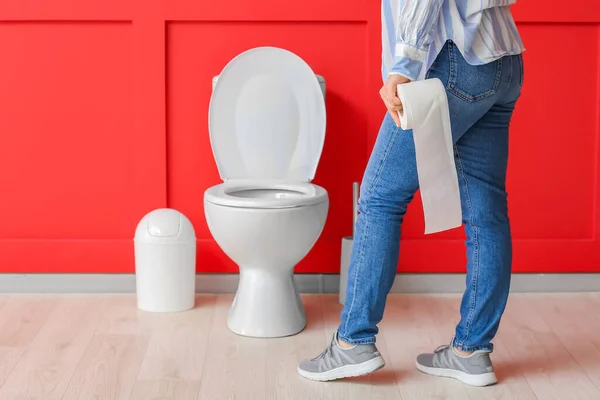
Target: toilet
[(267, 129)]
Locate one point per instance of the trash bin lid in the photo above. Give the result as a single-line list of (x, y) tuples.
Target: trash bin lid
[(164, 225)]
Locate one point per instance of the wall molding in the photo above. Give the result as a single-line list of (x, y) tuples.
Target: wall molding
[(306, 283)]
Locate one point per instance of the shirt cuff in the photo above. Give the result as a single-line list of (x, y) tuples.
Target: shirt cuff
[(408, 61), (400, 74)]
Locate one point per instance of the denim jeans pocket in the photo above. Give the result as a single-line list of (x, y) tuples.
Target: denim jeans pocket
[(472, 83), (521, 70)]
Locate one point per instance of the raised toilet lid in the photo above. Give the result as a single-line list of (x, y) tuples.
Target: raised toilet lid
[(267, 118)]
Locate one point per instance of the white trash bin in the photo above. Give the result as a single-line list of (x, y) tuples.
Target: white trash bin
[(165, 262)]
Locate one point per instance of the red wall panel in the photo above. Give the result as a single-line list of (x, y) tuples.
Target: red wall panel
[(104, 117), (552, 180), (66, 103)]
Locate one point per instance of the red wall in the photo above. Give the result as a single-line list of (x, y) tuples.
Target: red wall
[(103, 117)]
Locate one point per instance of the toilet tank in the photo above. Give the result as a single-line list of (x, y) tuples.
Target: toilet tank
[(319, 78)]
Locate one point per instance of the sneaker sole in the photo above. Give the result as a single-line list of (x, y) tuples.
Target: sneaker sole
[(469, 379), (346, 371)]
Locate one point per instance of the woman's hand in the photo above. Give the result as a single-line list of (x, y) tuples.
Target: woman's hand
[(389, 96)]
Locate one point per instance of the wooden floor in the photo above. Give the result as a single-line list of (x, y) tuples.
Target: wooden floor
[(78, 347)]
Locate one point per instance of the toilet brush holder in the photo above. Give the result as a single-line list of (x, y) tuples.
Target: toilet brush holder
[(347, 243)]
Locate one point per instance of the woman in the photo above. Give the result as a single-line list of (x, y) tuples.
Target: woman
[(474, 48)]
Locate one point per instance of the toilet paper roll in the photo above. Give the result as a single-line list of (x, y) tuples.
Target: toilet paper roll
[(425, 111)]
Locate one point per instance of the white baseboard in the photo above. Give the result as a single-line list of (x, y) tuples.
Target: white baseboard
[(306, 283)]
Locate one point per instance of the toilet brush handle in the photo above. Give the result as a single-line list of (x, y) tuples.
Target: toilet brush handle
[(355, 189)]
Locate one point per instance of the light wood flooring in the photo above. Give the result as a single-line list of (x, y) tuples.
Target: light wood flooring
[(79, 347)]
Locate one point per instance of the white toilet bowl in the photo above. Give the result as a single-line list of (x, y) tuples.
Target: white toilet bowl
[(266, 242), (267, 128)]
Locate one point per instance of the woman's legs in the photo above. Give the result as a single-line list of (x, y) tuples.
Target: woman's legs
[(480, 126), (481, 100), (389, 184), (481, 159)]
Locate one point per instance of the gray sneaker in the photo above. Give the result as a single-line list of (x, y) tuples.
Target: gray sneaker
[(474, 370), (337, 363)]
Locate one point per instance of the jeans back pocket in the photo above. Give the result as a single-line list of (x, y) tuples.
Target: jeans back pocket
[(472, 83)]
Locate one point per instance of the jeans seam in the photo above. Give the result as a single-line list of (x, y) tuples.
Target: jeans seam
[(361, 250), (360, 261), (382, 164), (356, 341), (510, 74), (452, 73), (521, 70), (473, 297), (489, 347)]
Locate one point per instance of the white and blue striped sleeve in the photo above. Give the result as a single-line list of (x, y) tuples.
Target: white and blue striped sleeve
[(415, 28)]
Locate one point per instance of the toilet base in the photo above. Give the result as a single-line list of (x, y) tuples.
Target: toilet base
[(266, 304)]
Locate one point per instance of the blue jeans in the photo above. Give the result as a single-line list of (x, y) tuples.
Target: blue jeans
[(481, 100)]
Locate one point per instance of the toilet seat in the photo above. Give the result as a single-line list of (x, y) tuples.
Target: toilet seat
[(267, 124), (265, 195)]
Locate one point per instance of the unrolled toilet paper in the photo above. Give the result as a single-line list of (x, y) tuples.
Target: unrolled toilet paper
[(425, 111)]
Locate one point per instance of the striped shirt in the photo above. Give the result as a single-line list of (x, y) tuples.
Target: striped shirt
[(414, 32)]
